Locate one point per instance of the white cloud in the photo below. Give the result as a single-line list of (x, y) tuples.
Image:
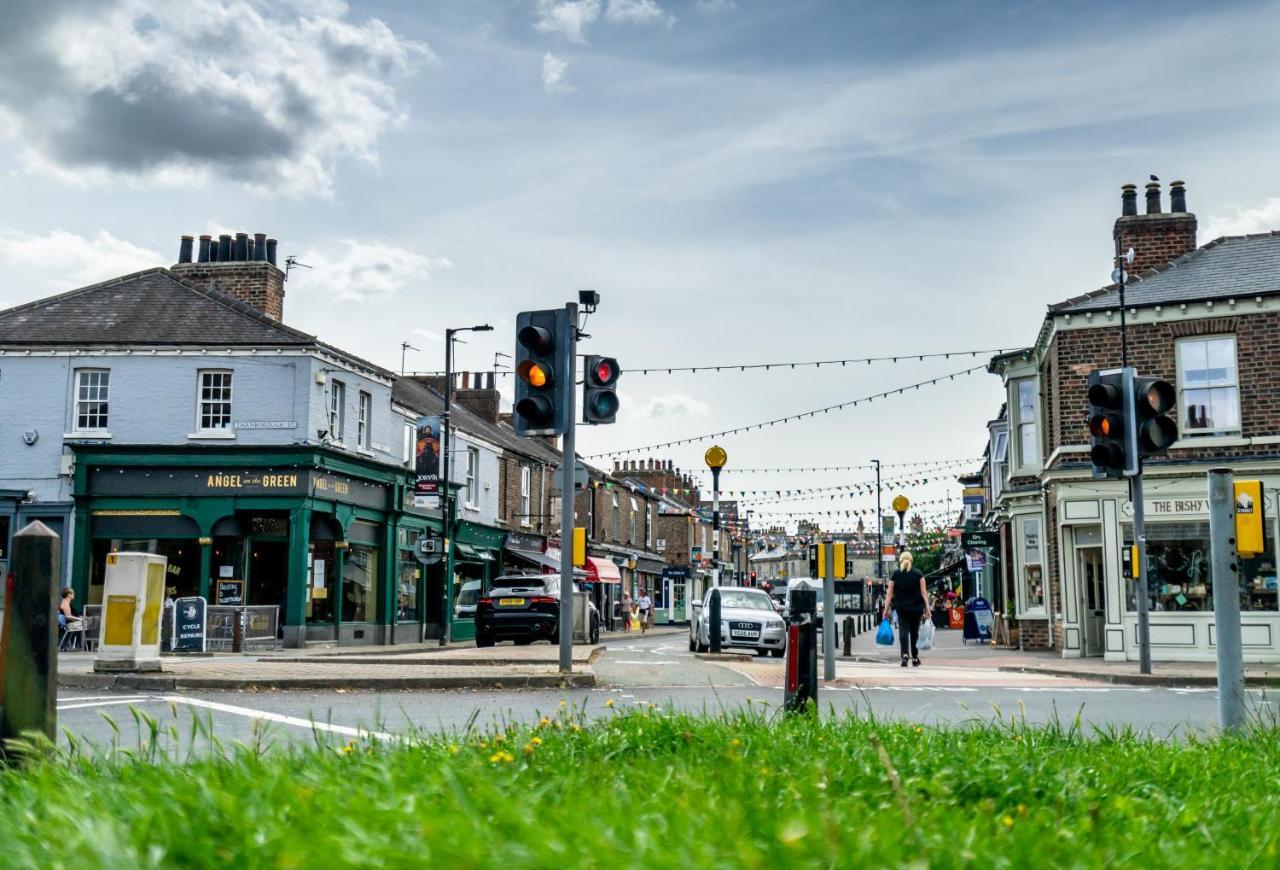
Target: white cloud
[(673, 405), (634, 12), (428, 334), (273, 95), (715, 5), (554, 70), (70, 260), (1251, 219), (368, 271), (569, 18)]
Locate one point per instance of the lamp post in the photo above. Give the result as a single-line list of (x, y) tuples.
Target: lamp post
[(716, 458), (446, 448)]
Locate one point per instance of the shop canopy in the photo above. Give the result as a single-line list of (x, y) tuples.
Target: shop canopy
[(536, 558), (466, 551), (602, 571)]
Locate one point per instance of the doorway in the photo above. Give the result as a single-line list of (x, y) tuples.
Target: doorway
[(1093, 598)]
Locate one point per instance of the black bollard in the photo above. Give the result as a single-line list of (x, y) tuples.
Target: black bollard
[(29, 657), (848, 635), (801, 684), (713, 621)]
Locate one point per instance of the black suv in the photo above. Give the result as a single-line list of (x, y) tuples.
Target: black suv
[(524, 608)]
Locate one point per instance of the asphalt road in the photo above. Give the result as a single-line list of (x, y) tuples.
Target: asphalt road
[(636, 672)]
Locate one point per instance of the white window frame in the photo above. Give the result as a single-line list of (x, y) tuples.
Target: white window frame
[(202, 430), (410, 433), (648, 537), (526, 500), (364, 417), (616, 518), (1017, 424), (1020, 551), (999, 462), (337, 410), (635, 509), (103, 398), (473, 472), (1185, 432)]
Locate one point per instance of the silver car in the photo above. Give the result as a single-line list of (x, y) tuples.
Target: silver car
[(748, 620)]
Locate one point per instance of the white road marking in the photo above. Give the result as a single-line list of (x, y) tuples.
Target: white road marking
[(265, 716), (637, 662), (102, 703)]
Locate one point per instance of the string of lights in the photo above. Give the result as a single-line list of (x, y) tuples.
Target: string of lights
[(931, 463), (845, 490), (792, 417), (783, 364)]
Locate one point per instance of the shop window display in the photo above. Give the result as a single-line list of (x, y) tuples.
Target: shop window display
[(408, 578), (360, 567), (1180, 575)]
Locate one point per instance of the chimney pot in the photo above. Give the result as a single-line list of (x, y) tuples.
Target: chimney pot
[(271, 251), (260, 246), (242, 247), (204, 249), (1153, 197), (488, 383), (184, 249), (224, 248), (1128, 200), (1178, 197)]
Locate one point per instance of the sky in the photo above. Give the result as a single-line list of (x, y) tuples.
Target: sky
[(742, 181)]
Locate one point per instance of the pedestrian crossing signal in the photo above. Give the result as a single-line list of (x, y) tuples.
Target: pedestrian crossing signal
[(599, 390)]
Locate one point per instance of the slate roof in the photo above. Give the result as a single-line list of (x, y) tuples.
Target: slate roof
[(152, 308), (1232, 267), (416, 396)]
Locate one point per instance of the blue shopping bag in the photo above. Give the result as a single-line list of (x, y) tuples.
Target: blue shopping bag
[(884, 635)]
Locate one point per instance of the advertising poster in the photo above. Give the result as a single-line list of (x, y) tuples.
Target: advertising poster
[(426, 464)]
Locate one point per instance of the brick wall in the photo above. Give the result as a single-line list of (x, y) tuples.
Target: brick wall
[(255, 282), (510, 502), (1156, 239), (1072, 354)]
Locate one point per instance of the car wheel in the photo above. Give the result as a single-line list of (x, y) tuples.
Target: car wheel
[(595, 631), (524, 641), (762, 652), (693, 644), (484, 640), (777, 653)]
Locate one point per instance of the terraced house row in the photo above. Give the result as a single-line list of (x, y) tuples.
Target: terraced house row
[(174, 411)]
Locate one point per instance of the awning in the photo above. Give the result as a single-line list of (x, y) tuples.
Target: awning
[(650, 566), (537, 558), (466, 551), (602, 571)]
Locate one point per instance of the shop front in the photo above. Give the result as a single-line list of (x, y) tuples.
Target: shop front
[(675, 594), (1100, 604), (477, 556), (310, 533)]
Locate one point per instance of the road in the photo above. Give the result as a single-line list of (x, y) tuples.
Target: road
[(637, 672)]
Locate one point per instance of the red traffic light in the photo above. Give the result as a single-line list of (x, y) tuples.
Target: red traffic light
[(602, 371)]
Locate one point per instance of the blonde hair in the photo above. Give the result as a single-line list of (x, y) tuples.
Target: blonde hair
[(906, 560)]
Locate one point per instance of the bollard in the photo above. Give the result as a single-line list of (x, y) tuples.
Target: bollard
[(848, 635), (29, 658), (713, 620), (237, 631), (801, 684)]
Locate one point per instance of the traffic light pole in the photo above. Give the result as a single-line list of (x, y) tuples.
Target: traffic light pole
[(1139, 523), (568, 462), (715, 526), (879, 528), (829, 612)]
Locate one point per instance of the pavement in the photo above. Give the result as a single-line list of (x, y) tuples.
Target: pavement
[(404, 667)]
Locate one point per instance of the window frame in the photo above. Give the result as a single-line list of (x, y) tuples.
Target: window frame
[(473, 474), (202, 429), (1017, 423), (631, 517), (104, 401), (1025, 608), (407, 448), (616, 518), (1184, 431), (649, 521), (364, 420), (337, 410), (526, 495)]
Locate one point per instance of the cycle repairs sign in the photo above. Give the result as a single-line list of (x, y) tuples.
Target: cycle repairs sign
[(189, 624)]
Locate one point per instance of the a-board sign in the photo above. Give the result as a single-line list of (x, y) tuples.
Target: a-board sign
[(983, 617), (229, 593), (189, 624)]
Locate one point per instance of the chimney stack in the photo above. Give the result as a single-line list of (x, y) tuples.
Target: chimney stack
[(1157, 238), (479, 396), (242, 269)]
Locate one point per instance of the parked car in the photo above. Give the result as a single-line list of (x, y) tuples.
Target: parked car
[(524, 608), (748, 620)]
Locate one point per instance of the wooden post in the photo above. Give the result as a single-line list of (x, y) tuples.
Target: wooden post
[(29, 677)]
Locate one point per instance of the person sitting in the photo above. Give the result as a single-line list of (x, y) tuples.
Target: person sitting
[(68, 622)]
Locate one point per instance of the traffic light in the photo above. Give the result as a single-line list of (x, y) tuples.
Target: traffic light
[(544, 372), (1154, 429), (599, 390), (1107, 422)]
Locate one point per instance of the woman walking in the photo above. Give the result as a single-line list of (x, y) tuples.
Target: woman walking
[(907, 596)]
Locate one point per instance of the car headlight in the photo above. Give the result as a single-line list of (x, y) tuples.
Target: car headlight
[(774, 625)]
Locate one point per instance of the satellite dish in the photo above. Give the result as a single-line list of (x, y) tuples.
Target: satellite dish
[(1128, 257), (1119, 276)]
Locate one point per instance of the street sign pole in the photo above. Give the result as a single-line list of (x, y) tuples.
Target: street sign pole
[(879, 528), (568, 466), (1224, 568), (1139, 527), (829, 612), (715, 458)]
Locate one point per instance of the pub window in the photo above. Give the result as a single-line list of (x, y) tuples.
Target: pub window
[(473, 469), (1032, 565), (92, 386), (524, 495), (1180, 569), (213, 412), (362, 421), (337, 410), (1208, 386)]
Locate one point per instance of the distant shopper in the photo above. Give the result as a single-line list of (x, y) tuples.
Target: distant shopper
[(626, 611), (68, 617), (645, 605), (906, 597)]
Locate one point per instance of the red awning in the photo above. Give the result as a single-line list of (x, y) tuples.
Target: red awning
[(602, 571)]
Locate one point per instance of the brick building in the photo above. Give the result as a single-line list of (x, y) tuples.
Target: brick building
[(1206, 320)]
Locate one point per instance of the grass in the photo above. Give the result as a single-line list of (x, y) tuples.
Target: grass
[(659, 789)]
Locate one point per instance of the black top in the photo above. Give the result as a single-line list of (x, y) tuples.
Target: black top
[(906, 591)]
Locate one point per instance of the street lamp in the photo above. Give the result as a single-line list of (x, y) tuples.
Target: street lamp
[(445, 449)]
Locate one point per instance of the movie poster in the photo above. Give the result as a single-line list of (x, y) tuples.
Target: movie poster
[(426, 463)]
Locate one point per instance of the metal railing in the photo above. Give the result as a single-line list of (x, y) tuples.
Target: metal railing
[(259, 626)]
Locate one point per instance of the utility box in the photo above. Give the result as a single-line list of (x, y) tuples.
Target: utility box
[(132, 605)]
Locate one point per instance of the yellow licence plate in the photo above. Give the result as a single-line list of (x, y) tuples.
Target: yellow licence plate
[(510, 602)]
